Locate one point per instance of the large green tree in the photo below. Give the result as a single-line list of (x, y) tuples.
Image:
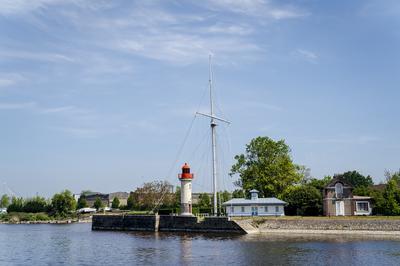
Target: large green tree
[(266, 166), (356, 179), (63, 203)]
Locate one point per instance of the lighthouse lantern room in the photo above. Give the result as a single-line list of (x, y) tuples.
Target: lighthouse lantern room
[(186, 190)]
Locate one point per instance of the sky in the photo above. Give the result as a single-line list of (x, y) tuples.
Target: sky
[(101, 95)]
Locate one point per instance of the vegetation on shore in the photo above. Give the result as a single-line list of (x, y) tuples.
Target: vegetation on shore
[(267, 166)]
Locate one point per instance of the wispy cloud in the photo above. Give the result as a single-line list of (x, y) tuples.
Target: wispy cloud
[(39, 56), (344, 140), (9, 79), (307, 55), (17, 106), (261, 105), (258, 8)]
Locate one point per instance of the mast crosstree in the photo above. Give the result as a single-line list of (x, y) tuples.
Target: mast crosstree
[(213, 124)]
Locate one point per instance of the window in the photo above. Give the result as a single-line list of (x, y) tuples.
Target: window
[(242, 209), (232, 209), (338, 189), (362, 206), (266, 209), (276, 208)]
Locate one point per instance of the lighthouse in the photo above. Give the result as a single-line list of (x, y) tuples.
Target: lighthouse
[(186, 190)]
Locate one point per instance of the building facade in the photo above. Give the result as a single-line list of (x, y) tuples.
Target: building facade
[(255, 206), (338, 200)]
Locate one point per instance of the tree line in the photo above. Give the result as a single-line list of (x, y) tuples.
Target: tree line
[(266, 165)]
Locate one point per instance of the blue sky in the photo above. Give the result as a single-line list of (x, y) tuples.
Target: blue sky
[(100, 94)]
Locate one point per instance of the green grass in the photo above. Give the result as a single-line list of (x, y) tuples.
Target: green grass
[(260, 219)]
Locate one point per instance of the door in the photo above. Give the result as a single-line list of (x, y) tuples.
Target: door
[(254, 211), (340, 208)]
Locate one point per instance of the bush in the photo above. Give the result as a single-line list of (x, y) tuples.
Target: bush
[(35, 205)]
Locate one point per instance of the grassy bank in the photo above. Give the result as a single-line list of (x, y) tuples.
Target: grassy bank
[(260, 219), (24, 217)]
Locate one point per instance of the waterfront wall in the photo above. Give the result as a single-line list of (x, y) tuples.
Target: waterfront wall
[(330, 224), (124, 222), (165, 223)]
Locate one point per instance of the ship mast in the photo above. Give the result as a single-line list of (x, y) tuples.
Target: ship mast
[(213, 125)]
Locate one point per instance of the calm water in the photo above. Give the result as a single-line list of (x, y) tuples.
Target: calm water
[(77, 245)]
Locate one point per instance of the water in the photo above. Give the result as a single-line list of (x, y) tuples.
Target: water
[(76, 244)]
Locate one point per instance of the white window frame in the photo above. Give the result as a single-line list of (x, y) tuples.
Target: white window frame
[(338, 189), (276, 208), (358, 210), (243, 209), (265, 208)]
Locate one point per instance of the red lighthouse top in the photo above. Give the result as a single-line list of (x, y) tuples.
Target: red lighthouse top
[(185, 172)]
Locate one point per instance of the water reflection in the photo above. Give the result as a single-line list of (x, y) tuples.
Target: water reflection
[(78, 245)]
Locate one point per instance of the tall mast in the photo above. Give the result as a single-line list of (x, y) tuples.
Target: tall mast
[(213, 124)]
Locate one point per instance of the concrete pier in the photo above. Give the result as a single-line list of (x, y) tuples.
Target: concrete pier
[(165, 223)]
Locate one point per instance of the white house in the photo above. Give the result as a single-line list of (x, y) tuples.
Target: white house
[(255, 206)]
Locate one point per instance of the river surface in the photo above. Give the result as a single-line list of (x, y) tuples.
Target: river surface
[(76, 244)]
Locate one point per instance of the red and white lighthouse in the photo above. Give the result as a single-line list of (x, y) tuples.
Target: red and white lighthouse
[(186, 190)]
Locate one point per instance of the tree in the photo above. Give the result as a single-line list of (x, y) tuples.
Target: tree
[(35, 204), (4, 201), (319, 184), (98, 203), (303, 200), (204, 200), (63, 203), (130, 204), (238, 193), (17, 205), (356, 179), (267, 167), (390, 194), (115, 203), (154, 194), (177, 199), (82, 202)]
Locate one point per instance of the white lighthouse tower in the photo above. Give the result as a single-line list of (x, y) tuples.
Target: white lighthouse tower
[(186, 190)]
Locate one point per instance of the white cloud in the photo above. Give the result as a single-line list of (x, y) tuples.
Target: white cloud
[(39, 56), (361, 140), (257, 8), (308, 55), (6, 82), (17, 106)]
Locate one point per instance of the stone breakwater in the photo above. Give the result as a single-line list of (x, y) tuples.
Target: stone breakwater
[(165, 223), (323, 226)]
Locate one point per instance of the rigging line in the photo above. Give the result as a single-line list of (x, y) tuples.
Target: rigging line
[(176, 160), (181, 148)]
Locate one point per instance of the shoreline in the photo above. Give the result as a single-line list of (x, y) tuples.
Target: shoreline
[(49, 222), (366, 233)]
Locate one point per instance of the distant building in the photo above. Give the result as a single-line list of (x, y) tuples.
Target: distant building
[(122, 197), (255, 206), (339, 200), (3, 210)]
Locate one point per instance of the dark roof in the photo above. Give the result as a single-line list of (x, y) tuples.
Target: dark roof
[(338, 179)]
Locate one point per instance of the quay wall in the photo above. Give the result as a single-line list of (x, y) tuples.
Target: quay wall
[(165, 223), (329, 224), (124, 222)]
